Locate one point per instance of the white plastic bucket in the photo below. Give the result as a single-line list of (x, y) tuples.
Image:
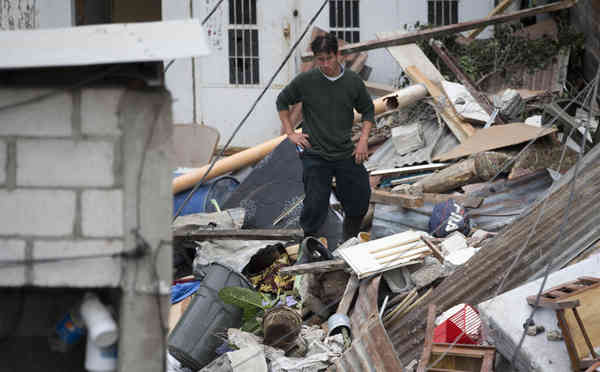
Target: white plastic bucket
[(101, 326), (100, 359)]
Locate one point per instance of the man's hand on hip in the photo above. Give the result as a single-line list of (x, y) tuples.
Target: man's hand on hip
[(299, 139)]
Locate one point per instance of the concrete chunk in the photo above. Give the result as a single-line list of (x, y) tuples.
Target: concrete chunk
[(504, 316)]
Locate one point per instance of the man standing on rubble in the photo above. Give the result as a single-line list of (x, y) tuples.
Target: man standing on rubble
[(329, 93)]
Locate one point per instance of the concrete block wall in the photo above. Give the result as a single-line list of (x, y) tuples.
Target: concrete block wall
[(61, 187)]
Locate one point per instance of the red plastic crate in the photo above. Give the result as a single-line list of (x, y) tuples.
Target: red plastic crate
[(467, 320)]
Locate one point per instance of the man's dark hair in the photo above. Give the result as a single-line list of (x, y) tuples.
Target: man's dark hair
[(327, 43)]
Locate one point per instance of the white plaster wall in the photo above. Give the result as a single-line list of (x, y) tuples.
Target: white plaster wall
[(30, 14), (178, 78), (222, 106), (56, 13)]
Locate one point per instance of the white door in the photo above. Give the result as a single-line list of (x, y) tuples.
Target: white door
[(249, 40)]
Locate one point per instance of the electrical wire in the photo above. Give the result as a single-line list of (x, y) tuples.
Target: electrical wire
[(252, 107)]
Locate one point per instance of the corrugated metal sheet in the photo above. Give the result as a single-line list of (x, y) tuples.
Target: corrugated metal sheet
[(386, 156), (371, 348), (479, 278), (504, 201)]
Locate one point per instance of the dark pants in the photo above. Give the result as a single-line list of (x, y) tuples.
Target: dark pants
[(352, 189)]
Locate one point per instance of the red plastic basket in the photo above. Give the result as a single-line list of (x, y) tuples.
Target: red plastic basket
[(467, 320)]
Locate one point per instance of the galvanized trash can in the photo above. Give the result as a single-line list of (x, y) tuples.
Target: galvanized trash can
[(194, 339)]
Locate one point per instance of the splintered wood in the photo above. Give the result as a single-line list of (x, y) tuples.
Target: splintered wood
[(384, 254)]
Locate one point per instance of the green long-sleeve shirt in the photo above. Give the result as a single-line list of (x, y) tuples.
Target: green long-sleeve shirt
[(327, 110)]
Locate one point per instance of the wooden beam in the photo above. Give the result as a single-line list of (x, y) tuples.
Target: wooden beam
[(465, 200), (469, 84), (315, 267), (409, 170), (411, 55), (386, 197), (428, 346), (377, 89), (241, 234), (436, 252), (497, 10), (460, 128), (348, 296), (415, 36)]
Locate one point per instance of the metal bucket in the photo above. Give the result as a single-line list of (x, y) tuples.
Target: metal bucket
[(196, 336)]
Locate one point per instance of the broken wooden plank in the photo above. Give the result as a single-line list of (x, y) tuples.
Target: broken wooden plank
[(315, 267), (469, 84), (497, 10), (348, 296), (386, 197), (461, 129), (364, 260), (408, 170), (377, 89), (436, 32), (240, 234), (464, 200), (427, 347), (359, 62), (411, 55), (480, 167), (434, 250), (495, 137)]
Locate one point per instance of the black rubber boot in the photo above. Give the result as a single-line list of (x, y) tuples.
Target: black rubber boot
[(312, 250), (351, 227)]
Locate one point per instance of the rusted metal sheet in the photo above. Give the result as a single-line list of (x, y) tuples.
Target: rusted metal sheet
[(371, 348), (504, 201), (480, 277)]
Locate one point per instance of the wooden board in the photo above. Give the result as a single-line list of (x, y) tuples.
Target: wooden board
[(385, 253), (589, 314), (177, 310), (378, 89), (392, 198), (495, 137), (461, 129), (194, 144), (408, 170), (411, 55)]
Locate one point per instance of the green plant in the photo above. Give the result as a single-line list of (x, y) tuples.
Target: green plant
[(507, 48), (253, 304)]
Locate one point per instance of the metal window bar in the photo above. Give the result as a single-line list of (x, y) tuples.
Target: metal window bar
[(442, 12), (243, 43), (344, 20)]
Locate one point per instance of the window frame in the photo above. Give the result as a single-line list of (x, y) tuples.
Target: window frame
[(442, 13), (244, 26), (353, 17)]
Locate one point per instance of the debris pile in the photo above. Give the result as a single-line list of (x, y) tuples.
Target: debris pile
[(462, 174)]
